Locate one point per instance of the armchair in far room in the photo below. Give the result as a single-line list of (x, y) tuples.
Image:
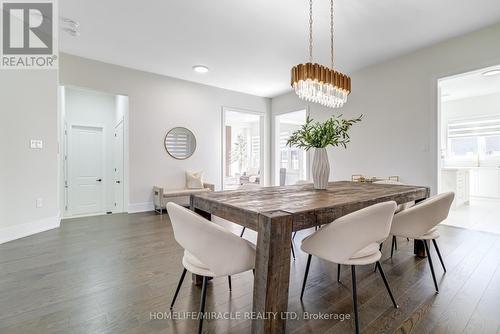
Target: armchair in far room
[(250, 176)]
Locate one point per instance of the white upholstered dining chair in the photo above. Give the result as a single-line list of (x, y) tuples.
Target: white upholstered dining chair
[(209, 250), (420, 223), (401, 207), (353, 239)]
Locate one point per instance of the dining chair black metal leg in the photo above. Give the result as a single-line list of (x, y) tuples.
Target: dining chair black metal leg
[(293, 251), (178, 287), (338, 273), (305, 276), (355, 298), (202, 304), (380, 250), (430, 264), (393, 244), (242, 231), (438, 253), (229, 282), (386, 284), (294, 234)]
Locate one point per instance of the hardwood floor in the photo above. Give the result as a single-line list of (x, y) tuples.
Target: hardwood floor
[(110, 274)]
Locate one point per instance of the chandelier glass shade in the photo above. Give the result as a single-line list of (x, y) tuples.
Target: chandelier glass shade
[(317, 83)]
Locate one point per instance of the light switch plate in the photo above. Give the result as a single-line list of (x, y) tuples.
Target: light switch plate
[(39, 202), (36, 144)]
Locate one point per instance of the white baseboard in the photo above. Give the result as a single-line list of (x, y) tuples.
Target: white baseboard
[(83, 216), (26, 229), (140, 207)]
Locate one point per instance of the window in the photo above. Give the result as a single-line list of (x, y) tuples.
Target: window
[(242, 148), (284, 159), (464, 147), (289, 160), (476, 138), (492, 145), (255, 160), (295, 158)]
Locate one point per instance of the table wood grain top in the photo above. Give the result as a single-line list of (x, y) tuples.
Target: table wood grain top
[(300, 198), (303, 201)]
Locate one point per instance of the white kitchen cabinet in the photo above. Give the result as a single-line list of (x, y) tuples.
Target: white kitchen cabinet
[(456, 180), (485, 182)]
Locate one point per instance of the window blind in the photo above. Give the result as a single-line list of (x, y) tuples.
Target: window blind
[(484, 126)]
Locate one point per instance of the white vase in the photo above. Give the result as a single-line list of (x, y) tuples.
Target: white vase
[(320, 168)]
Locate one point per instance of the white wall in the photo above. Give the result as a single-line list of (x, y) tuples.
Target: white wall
[(88, 108), (28, 110), (157, 104), (475, 106), (398, 135)]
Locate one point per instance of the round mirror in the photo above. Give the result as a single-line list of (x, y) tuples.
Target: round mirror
[(180, 143)]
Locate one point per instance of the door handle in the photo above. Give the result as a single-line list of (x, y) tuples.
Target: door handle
[(118, 182), (99, 180)]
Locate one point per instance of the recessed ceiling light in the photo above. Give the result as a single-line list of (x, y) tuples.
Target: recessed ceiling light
[(491, 72), (200, 68)]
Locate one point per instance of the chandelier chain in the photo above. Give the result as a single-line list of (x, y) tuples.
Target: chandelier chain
[(318, 83), (310, 31), (331, 34)]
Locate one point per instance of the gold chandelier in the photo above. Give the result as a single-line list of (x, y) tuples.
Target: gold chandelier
[(316, 83)]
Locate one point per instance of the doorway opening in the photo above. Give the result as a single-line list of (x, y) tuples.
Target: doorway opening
[(242, 147), (291, 163), (469, 136), (94, 176)]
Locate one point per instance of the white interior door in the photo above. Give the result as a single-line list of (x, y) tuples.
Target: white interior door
[(118, 168), (86, 170)]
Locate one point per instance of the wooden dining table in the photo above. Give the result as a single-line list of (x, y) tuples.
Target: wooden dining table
[(275, 213)]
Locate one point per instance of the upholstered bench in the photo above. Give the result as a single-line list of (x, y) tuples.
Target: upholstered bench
[(180, 196)]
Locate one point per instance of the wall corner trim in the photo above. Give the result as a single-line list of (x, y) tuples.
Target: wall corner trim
[(18, 231)]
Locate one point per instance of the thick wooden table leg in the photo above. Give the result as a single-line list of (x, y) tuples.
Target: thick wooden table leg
[(419, 248), (272, 272)]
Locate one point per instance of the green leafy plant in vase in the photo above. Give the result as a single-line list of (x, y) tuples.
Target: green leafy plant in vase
[(333, 132)]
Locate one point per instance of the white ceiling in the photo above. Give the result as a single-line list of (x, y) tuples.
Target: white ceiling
[(469, 85), (250, 46)]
